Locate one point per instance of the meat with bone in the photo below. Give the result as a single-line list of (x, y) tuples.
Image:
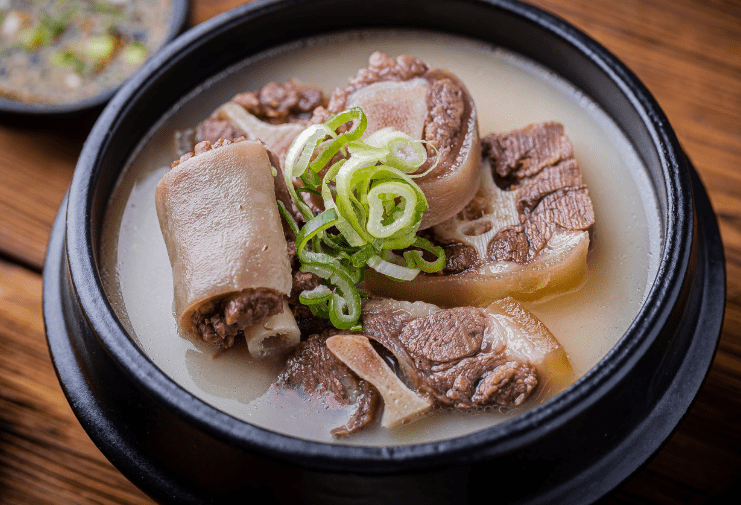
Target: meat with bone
[(401, 405), (461, 357), (525, 233), (313, 369), (427, 104), (219, 218), (464, 358), (274, 114)]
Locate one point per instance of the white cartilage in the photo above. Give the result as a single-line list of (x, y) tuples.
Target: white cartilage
[(401, 404), (275, 335)]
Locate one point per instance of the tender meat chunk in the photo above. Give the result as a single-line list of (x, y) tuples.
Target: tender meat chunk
[(313, 369), (213, 129), (219, 321), (507, 384), (444, 118), (381, 67), (465, 358), (285, 102), (525, 152), (444, 336), (446, 356), (549, 180), (567, 208), (401, 405), (275, 103), (459, 258), (289, 104), (510, 244), (534, 191), (487, 379)]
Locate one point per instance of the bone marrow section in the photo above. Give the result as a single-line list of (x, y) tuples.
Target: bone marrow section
[(400, 105), (525, 233), (218, 321), (427, 104), (220, 222), (401, 405)]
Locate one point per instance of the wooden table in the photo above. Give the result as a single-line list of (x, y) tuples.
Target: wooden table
[(687, 52)]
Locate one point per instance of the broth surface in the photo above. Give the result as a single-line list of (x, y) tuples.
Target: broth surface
[(509, 93)]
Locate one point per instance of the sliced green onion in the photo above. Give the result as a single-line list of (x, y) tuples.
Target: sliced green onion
[(405, 153), (316, 225), (358, 117), (100, 48), (414, 258), (344, 308), (377, 209), (319, 294), (288, 217), (396, 272), (369, 197)]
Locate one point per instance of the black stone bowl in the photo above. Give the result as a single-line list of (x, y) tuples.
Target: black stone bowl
[(572, 449), (31, 113)]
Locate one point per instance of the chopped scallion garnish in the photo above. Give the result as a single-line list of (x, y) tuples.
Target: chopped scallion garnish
[(372, 207)]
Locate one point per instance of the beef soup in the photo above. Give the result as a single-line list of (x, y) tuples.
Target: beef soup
[(509, 93)]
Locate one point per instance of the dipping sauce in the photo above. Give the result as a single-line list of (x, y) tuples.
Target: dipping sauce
[(510, 92), (61, 52)]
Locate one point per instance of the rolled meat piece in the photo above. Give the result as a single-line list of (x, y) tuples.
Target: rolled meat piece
[(231, 273), (427, 104)]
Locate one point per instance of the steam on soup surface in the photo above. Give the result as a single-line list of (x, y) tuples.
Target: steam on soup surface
[(509, 93)]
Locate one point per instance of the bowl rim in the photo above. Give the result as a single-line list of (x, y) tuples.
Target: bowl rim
[(178, 20), (489, 442)]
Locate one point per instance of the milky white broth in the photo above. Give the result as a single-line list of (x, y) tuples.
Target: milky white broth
[(509, 93)]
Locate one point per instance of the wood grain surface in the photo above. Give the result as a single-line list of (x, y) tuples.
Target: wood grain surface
[(687, 52)]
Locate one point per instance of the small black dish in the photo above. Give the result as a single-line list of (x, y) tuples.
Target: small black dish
[(573, 449), (25, 112)]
